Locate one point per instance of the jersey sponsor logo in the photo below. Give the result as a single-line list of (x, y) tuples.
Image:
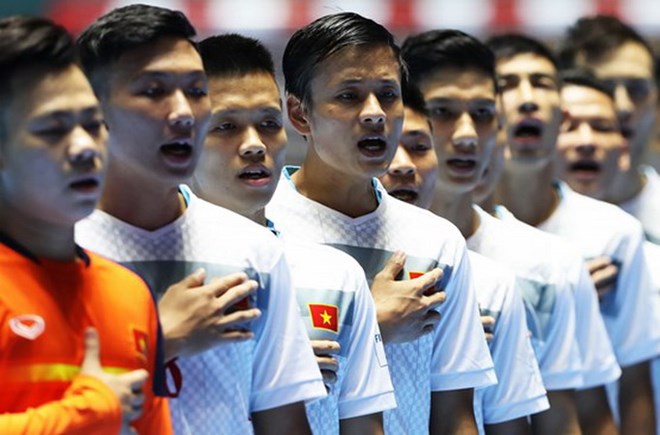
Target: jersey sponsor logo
[(141, 342), (28, 326), (380, 350), (324, 316)]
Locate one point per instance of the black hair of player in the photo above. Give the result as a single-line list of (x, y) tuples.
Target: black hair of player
[(586, 78), (508, 45), (435, 50), (235, 55), (324, 37), (122, 30), (413, 98), (30, 44), (595, 37)]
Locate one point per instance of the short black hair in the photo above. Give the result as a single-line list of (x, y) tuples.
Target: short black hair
[(595, 37), (235, 55), (585, 77), (125, 29), (30, 43), (508, 45), (434, 50), (317, 41), (413, 98)]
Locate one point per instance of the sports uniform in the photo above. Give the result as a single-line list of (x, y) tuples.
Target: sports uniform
[(599, 362), (646, 205), (335, 304), (45, 308), (221, 387), (429, 363), (549, 301), (519, 391)]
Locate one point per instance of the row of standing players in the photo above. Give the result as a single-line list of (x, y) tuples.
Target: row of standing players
[(392, 333)]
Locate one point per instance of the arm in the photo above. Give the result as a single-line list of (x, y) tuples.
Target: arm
[(636, 400), (288, 419), (561, 418), (594, 412), (371, 424), (452, 412)]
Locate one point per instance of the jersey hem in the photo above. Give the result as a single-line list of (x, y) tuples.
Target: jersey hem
[(367, 405), (457, 381), (500, 414), (299, 392)]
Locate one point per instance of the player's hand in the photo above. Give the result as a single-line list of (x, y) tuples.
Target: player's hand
[(488, 323), (128, 387), (194, 316), (325, 351), (604, 273), (404, 312)]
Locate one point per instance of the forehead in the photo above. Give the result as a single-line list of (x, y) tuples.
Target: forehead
[(415, 122), (525, 64), (246, 91), (164, 55), (457, 83), (59, 91), (358, 64), (630, 59), (583, 101)]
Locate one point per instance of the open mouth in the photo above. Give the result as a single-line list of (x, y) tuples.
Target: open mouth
[(373, 146), (528, 130), (407, 195), (462, 164), (585, 166), (86, 184), (177, 149), (258, 176)]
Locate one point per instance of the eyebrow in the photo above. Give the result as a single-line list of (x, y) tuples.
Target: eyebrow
[(445, 100), (91, 110), (167, 74), (274, 110), (350, 82)]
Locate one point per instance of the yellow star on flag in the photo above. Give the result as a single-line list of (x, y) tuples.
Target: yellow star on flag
[(326, 317)]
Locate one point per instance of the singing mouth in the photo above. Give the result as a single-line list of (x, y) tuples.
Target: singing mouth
[(407, 195)]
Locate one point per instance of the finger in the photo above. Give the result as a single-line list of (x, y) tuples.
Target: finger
[(327, 363), (489, 336), (91, 360), (237, 335), (131, 414), (427, 281), (598, 263), (227, 321), (329, 377), (487, 321), (431, 317), (325, 347), (220, 285), (435, 299), (135, 379), (605, 277), (195, 279), (394, 266), (234, 294)]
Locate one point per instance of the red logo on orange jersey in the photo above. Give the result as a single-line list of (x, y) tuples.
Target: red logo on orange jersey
[(324, 316), (141, 342)]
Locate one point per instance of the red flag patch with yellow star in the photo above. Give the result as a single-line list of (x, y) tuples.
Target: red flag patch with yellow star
[(324, 316)]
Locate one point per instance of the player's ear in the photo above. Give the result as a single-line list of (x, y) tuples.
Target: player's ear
[(624, 158), (297, 115)]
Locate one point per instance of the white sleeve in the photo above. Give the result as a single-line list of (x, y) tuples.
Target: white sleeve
[(633, 318), (460, 356), (519, 391), (285, 369), (366, 387), (598, 360)]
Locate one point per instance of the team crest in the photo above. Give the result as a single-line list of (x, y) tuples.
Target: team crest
[(141, 342), (324, 316), (28, 326)]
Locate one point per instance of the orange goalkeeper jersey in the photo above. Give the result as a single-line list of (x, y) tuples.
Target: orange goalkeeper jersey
[(45, 308)]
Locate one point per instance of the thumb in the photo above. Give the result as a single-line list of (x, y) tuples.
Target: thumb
[(91, 359), (136, 378), (394, 266)]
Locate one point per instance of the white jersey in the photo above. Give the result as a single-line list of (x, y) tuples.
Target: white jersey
[(221, 387), (432, 362), (631, 310), (549, 301), (598, 359), (519, 391), (646, 205), (336, 304), (652, 252)]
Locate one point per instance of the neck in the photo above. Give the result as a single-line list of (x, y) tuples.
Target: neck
[(527, 191), (42, 239), (456, 208), (140, 202), (488, 203), (352, 197), (626, 186)]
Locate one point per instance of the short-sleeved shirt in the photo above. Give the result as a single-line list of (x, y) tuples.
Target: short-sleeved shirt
[(45, 308), (428, 363), (335, 304), (599, 362), (646, 205), (549, 301), (631, 310), (519, 391), (652, 252), (222, 386)]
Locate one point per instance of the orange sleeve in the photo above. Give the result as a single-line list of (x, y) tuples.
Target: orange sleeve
[(156, 416), (88, 406)]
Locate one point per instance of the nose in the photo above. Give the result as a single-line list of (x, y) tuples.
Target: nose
[(181, 114), (402, 164), (465, 136), (624, 104), (586, 144), (84, 150), (372, 113), (526, 92), (252, 145)]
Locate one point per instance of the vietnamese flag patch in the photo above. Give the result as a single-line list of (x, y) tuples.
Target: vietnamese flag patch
[(141, 342), (414, 274), (324, 316)]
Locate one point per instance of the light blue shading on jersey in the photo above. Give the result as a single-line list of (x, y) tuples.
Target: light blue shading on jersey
[(539, 300)]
